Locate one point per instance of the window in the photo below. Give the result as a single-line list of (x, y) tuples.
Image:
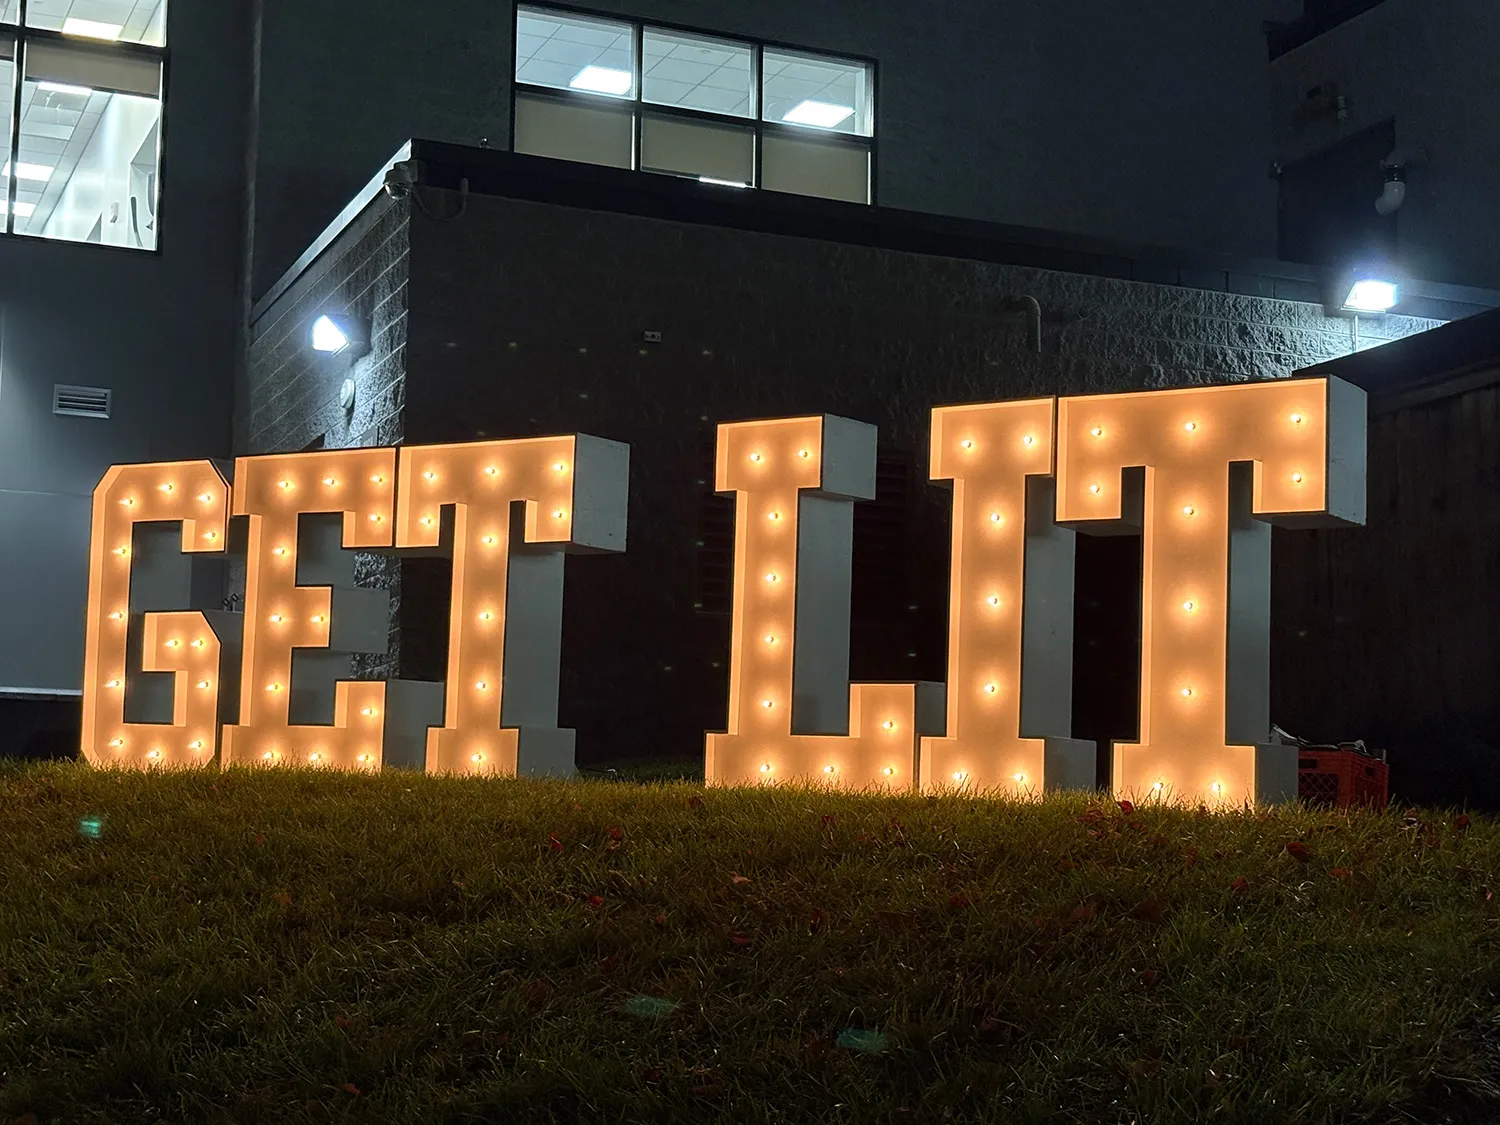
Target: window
[(84, 111), (685, 103)]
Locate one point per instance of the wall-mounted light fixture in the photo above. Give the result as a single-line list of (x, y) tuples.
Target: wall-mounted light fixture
[(1372, 295), (340, 334), (1367, 289)]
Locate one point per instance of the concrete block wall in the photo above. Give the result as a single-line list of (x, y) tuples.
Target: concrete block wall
[(529, 318), (294, 393)]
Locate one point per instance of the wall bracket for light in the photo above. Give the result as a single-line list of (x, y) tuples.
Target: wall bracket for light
[(340, 334)]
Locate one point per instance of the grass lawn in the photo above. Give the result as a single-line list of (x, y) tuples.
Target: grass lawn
[(298, 946)]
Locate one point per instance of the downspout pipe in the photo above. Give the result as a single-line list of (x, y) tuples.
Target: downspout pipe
[(1033, 309)]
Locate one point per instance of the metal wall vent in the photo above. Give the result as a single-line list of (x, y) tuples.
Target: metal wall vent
[(80, 402)]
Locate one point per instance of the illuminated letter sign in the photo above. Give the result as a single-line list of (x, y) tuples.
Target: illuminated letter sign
[(283, 613), (794, 482), (1010, 611), (505, 629), (1212, 465), (193, 494)]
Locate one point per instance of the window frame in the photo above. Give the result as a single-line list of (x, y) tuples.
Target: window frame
[(754, 124), (21, 35)]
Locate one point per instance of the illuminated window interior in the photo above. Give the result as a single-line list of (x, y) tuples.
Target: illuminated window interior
[(86, 165), (686, 103)]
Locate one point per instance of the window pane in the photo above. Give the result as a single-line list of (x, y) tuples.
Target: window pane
[(807, 166), (87, 169), (10, 11), (569, 52), (724, 153), (123, 21), (7, 85), (565, 130), (697, 72), (816, 92)]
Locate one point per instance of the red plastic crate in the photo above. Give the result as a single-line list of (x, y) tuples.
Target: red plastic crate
[(1342, 776)]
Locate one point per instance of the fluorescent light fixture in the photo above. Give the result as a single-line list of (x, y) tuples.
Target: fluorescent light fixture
[(335, 334), (603, 80), (722, 183), (60, 88), (38, 172), (23, 210), (1369, 295), (822, 115), (92, 29)]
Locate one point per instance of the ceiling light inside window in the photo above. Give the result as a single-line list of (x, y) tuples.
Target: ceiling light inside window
[(23, 210), (602, 80), (722, 183), (1369, 295), (60, 88), (39, 172), (93, 29), (821, 115)]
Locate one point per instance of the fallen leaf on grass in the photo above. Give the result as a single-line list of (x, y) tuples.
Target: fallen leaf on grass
[(609, 964), (1240, 885), (1149, 977), (596, 901), (1299, 851), (1486, 894), (738, 938), (660, 920), (737, 878), (553, 842), (1461, 824), (863, 1040), (648, 1007), (1126, 807), (1083, 913), (1150, 910), (350, 1088), (1343, 874), (695, 802), (829, 820), (342, 1022), (281, 898), (960, 902)]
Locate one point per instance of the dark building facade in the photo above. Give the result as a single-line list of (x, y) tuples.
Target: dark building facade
[(552, 298)]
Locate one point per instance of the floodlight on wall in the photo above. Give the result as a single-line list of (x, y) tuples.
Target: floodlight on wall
[(821, 115), (603, 80), (334, 334), (1372, 295)]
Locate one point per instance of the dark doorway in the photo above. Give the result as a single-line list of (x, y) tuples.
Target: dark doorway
[(1327, 204)]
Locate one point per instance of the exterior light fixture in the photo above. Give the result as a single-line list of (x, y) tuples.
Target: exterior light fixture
[(340, 334), (1372, 295)]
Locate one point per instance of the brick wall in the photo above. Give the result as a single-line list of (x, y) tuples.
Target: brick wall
[(528, 318), (293, 400)]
